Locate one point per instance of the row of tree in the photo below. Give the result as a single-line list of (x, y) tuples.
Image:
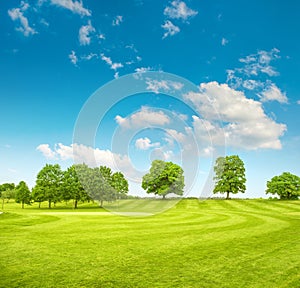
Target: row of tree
[(78, 183), (230, 178), (82, 183)]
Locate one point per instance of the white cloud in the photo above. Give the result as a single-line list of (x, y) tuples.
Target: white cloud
[(260, 63), (17, 14), (179, 10), (108, 61), (224, 42), (73, 58), (76, 6), (84, 34), (117, 20), (146, 117), (245, 124), (157, 86), (145, 144), (252, 84), (89, 56), (170, 29), (273, 93), (142, 69), (93, 157), (298, 102), (46, 150), (101, 36)]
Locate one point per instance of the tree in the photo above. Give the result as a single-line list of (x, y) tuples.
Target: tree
[(7, 191), (72, 187), (164, 178), (229, 175), (120, 184), (286, 186), (48, 184), (23, 194)]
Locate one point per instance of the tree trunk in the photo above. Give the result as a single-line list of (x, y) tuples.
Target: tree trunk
[(227, 197), (49, 206), (75, 204), (39, 204), (101, 203), (22, 204), (164, 197)]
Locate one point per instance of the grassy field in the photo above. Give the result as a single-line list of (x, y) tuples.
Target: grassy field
[(212, 243)]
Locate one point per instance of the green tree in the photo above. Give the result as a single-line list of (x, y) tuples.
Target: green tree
[(229, 175), (72, 187), (7, 191), (286, 186), (164, 178), (23, 194), (49, 184), (120, 184)]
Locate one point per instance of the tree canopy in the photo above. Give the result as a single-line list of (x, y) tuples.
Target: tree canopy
[(48, 184), (164, 178), (229, 175), (286, 186), (23, 194)]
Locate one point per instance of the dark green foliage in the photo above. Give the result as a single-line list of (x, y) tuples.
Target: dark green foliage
[(72, 187), (120, 184), (286, 186), (48, 184), (229, 175), (164, 178), (22, 194)]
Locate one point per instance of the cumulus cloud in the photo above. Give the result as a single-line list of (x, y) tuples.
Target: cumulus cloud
[(273, 93), (93, 157), (84, 34), (117, 20), (170, 29), (17, 14), (113, 65), (145, 144), (179, 10), (245, 124), (73, 58), (76, 7), (146, 117), (47, 151)]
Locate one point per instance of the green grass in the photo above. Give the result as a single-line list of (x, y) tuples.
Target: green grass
[(213, 243)]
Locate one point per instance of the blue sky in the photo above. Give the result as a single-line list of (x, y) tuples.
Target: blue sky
[(241, 56)]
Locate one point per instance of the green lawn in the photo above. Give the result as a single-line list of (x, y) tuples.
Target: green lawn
[(212, 243)]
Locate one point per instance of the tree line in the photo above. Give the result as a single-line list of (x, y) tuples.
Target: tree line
[(81, 183)]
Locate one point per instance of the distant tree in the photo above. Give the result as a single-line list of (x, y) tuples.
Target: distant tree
[(38, 194), (23, 194), (229, 175), (286, 186), (49, 184), (7, 191), (72, 187), (164, 178), (120, 184)]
